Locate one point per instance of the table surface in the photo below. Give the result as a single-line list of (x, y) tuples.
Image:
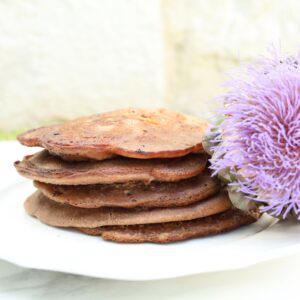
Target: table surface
[(270, 280)]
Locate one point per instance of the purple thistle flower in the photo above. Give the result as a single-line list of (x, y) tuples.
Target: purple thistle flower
[(259, 139)]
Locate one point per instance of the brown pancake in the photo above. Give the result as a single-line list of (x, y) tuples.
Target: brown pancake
[(62, 215), (137, 133), (173, 231), (133, 194), (51, 169)]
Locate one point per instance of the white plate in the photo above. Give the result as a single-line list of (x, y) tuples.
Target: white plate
[(28, 243)]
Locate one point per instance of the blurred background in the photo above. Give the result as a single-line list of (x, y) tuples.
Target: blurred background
[(60, 59)]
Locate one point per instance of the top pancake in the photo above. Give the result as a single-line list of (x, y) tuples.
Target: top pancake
[(136, 133)]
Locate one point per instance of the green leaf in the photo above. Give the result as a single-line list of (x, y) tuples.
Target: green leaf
[(9, 135)]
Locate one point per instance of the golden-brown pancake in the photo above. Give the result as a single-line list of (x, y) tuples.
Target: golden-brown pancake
[(173, 231), (62, 215), (52, 169), (137, 133), (133, 194)]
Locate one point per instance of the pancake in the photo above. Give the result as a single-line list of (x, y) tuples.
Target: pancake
[(136, 133), (133, 194), (62, 215), (173, 231), (51, 169)]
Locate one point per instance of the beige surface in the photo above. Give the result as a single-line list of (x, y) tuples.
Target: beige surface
[(274, 280), (62, 58)]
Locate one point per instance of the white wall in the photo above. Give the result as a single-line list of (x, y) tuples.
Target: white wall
[(207, 38), (60, 59), (64, 58)]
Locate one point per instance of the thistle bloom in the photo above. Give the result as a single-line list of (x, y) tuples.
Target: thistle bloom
[(259, 139)]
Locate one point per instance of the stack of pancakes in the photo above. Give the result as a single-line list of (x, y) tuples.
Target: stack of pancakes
[(131, 175)]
